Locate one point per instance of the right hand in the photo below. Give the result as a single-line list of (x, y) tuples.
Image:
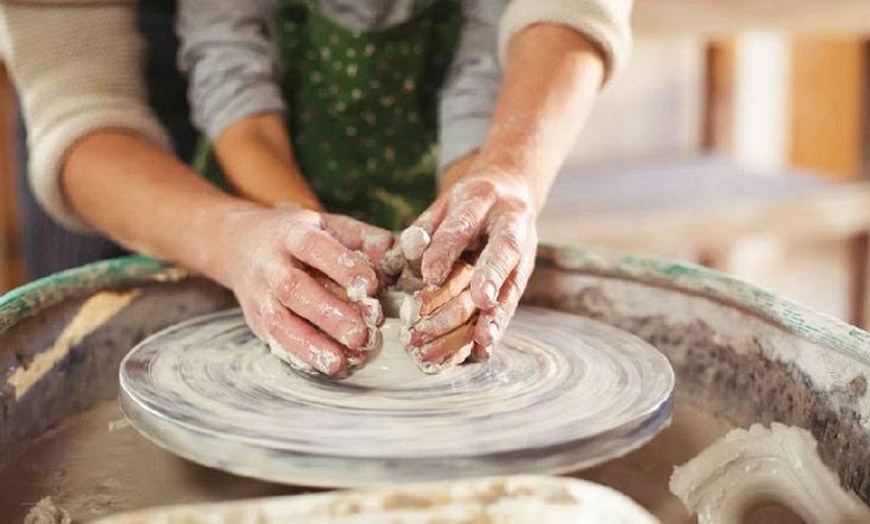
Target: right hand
[(288, 274)]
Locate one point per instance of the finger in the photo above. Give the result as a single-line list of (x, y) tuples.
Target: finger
[(357, 235), (304, 296), (458, 280), (430, 298), (453, 314), (371, 310), (461, 225), (481, 353), (329, 284), (355, 357), (499, 258), (300, 344), (414, 242), (376, 242), (450, 349), (491, 324), (325, 253), (430, 219), (393, 261), (344, 229), (409, 281)]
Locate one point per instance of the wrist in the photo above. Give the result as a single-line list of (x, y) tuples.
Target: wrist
[(217, 235), (523, 177)]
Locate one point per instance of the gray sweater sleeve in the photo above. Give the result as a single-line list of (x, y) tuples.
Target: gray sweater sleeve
[(471, 87), (228, 53)]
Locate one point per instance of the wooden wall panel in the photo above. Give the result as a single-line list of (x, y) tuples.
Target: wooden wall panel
[(652, 108), (11, 258), (827, 105), (718, 124)]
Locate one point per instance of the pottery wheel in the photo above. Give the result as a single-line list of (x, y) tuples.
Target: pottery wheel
[(561, 392)]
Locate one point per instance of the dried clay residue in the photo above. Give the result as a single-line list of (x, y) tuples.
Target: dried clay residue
[(94, 313)]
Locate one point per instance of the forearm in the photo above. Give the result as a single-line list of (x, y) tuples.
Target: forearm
[(257, 158), (73, 80), (552, 77), (149, 201)]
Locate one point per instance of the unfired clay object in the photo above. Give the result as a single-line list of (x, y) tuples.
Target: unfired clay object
[(561, 392), (764, 465), (544, 500)]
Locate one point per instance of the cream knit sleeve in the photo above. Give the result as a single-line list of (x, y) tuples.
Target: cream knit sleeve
[(606, 23), (78, 68)]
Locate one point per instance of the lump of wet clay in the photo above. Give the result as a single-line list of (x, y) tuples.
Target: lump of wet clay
[(747, 468), (408, 301), (388, 366)]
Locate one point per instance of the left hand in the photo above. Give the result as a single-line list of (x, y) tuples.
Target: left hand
[(489, 208), (358, 236)]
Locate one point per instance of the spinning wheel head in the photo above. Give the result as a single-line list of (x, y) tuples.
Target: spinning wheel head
[(561, 392)]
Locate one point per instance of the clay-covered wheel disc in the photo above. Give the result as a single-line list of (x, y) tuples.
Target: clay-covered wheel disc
[(561, 392)]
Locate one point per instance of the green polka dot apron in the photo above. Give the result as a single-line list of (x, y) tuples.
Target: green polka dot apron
[(363, 107)]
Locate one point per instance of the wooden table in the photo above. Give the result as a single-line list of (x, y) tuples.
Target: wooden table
[(707, 204)]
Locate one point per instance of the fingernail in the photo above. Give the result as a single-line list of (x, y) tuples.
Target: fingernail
[(492, 332), (490, 292), (374, 341), (414, 241), (355, 360), (438, 275), (358, 289), (374, 312), (326, 362)]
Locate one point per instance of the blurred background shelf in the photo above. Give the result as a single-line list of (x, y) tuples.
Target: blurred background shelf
[(737, 136), (702, 208), (726, 17)]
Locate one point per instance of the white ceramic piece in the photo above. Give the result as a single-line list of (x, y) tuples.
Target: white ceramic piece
[(776, 465), (507, 500)]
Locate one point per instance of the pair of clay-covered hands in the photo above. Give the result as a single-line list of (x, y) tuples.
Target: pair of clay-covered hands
[(306, 280)]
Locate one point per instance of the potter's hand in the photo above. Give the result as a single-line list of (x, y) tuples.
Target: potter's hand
[(486, 210), (359, 236), (280, 263), (438, 321), (552, 76)]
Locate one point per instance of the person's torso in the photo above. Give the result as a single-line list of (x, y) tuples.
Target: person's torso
[(361, 81)]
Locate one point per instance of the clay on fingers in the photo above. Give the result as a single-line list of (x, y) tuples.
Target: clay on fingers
[(458, 311), (445, 352), (430, 298), (433, 317)]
